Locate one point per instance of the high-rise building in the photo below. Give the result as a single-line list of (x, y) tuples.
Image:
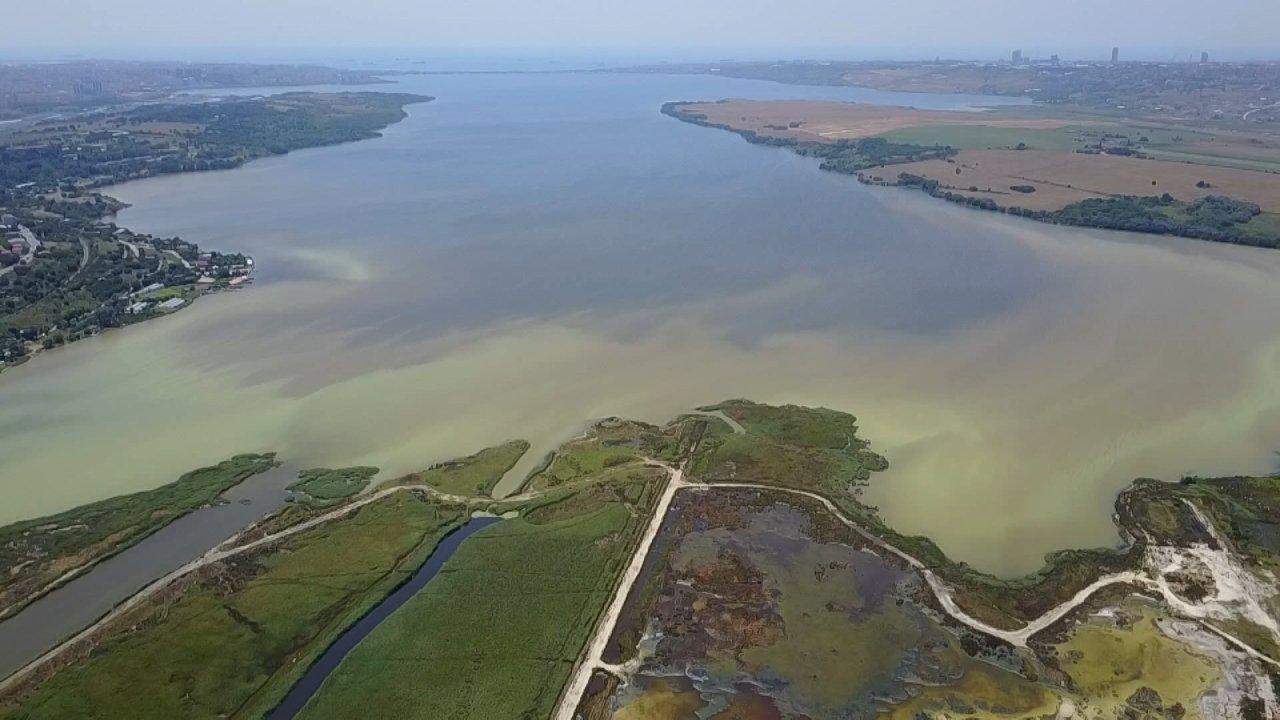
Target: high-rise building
[(1115, 54), (1017, 57), (1204, 57), (1054, 60)]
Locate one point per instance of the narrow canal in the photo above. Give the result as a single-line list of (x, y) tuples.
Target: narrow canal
[(76, 605), (310, 684)]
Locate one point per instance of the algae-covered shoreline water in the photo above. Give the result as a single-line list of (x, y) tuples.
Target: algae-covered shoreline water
[(530, 252)]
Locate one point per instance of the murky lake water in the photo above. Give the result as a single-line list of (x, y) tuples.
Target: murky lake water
[(532, 251)]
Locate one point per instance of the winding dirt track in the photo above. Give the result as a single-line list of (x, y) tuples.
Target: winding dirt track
[(591, 660)]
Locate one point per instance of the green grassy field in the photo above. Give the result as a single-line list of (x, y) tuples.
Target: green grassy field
[(472, 475), (812, 448), (984, 137), (321, 487), (496, 634), (35, 552), (233, 644), (1263, 225), (608, 444), (1196, 156)]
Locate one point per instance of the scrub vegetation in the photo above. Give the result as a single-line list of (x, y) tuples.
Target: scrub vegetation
[(610, 443), (472, 475), (36, 554), (321, 487), (818, 451)]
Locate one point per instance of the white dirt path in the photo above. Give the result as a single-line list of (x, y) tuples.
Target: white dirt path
[(592, 658), (222, 551)]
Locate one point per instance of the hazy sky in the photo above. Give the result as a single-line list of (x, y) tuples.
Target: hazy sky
[(1151, 29)]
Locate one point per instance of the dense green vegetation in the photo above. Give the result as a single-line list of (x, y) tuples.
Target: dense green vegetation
[(234, 637), (496, 634), (86, 275), (321, 487), (234, 642), (611, 443), (813, 448), (35, 553), (55, 300), (472, 475), (167, 138), (1213, 217)]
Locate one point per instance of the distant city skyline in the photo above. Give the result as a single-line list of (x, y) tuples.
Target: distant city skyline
[(1173, 30)]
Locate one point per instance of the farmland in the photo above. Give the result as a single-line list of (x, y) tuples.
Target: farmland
[(1056, 166)]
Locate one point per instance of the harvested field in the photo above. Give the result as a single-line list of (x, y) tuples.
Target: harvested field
[(832, 121), (1061, 178)]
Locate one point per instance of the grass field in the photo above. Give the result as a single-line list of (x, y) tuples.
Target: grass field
[(321, 487), (811, 448), (496, 634), (232, 645), (472, 475), (608, 444), (986, 137), (34, 553)]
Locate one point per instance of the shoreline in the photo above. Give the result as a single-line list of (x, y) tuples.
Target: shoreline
[(191, 292), (1152, 565), (865, 174)]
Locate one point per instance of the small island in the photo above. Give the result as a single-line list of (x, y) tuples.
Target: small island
[(68, 271)]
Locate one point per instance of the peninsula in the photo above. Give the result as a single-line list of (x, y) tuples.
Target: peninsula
[(68, 271), (1119, 173)]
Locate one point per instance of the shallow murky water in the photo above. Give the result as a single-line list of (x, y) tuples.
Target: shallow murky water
[(530, 252)]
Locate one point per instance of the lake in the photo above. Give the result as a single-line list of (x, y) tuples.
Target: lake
[(530, 252)]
